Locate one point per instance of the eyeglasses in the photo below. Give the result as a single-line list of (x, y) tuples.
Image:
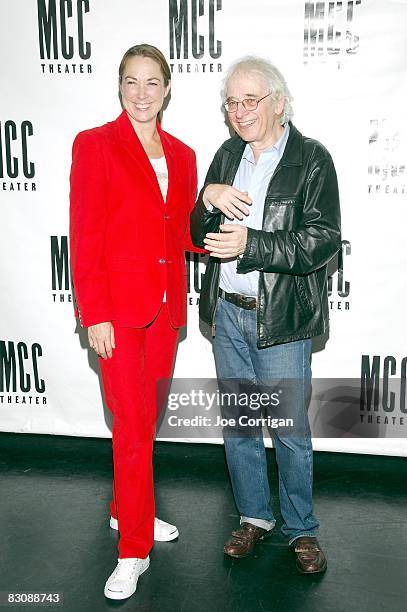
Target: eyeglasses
[(249, 104)]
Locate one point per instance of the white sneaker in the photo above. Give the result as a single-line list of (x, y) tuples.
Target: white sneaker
[(123, 581), (163, 532)]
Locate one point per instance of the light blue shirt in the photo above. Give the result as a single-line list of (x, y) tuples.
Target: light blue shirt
[(254, 178)]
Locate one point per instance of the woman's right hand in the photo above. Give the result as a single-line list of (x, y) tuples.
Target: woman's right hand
[(232, 202), (101, 339)]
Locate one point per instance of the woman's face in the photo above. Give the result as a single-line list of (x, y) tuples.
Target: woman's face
[(142, 89)]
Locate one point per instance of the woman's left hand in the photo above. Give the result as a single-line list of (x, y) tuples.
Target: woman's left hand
[(101, 339)]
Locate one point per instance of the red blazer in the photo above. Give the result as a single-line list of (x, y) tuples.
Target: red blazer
[(126, 244)]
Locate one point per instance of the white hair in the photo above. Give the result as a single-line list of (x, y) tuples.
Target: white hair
[(252, 64)]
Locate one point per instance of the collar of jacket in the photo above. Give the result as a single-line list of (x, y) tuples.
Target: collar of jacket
[(127, 132), (292, 155)]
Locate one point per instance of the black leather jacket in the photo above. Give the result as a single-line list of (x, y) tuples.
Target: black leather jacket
[(300, 234)]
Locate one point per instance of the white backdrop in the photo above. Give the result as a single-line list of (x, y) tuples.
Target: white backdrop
[(345, 63)]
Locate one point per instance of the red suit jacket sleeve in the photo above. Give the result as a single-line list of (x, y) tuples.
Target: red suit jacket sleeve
[(192, 193), (88, 216)]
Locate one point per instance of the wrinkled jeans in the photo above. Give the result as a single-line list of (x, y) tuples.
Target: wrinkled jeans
[(237, 357)]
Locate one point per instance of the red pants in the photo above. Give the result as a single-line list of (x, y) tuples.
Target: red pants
[(141, 357)]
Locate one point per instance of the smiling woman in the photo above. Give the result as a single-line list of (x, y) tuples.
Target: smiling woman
[(144, 82), (132, 189)]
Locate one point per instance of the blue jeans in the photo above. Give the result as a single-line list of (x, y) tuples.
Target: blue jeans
[(237, 357)]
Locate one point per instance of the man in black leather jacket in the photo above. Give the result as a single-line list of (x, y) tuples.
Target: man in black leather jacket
[(269, 216)]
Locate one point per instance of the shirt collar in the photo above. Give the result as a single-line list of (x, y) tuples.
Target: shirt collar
[(278, 146)]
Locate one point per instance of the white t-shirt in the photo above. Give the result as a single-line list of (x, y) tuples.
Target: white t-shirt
[(160, 168)]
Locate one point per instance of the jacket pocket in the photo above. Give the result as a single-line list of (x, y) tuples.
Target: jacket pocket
[(282, 213), (283, 200), (304, 296)]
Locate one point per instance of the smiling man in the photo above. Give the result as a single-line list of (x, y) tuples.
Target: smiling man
[(269, 215)]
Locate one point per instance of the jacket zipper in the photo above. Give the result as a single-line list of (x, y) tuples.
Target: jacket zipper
[(258, 284)]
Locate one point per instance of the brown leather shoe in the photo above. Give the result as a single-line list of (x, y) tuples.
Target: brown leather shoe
[(309, 557), (242, 541)]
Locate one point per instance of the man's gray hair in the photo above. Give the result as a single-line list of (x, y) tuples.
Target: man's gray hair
[(252, 64)]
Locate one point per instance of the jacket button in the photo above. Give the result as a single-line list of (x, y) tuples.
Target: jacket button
[(161, 261), (166, 217)]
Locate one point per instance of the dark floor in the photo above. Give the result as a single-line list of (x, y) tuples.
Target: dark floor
[(55, 537)]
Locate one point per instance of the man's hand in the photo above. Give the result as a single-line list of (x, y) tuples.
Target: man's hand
[(230, 243), (229, 200), (101, 339)]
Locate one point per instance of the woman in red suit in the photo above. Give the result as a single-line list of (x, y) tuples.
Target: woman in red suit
[(132, 189)]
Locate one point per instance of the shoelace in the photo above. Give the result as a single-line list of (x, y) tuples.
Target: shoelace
[(126, 569)]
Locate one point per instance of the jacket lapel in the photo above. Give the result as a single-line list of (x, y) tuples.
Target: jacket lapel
[(131, 143), (235, 146), (170, 158)]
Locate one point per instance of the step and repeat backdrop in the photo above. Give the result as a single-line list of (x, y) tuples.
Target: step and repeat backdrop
[(345, 63)]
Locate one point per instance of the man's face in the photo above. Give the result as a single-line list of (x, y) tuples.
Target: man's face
[(259, 127)]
